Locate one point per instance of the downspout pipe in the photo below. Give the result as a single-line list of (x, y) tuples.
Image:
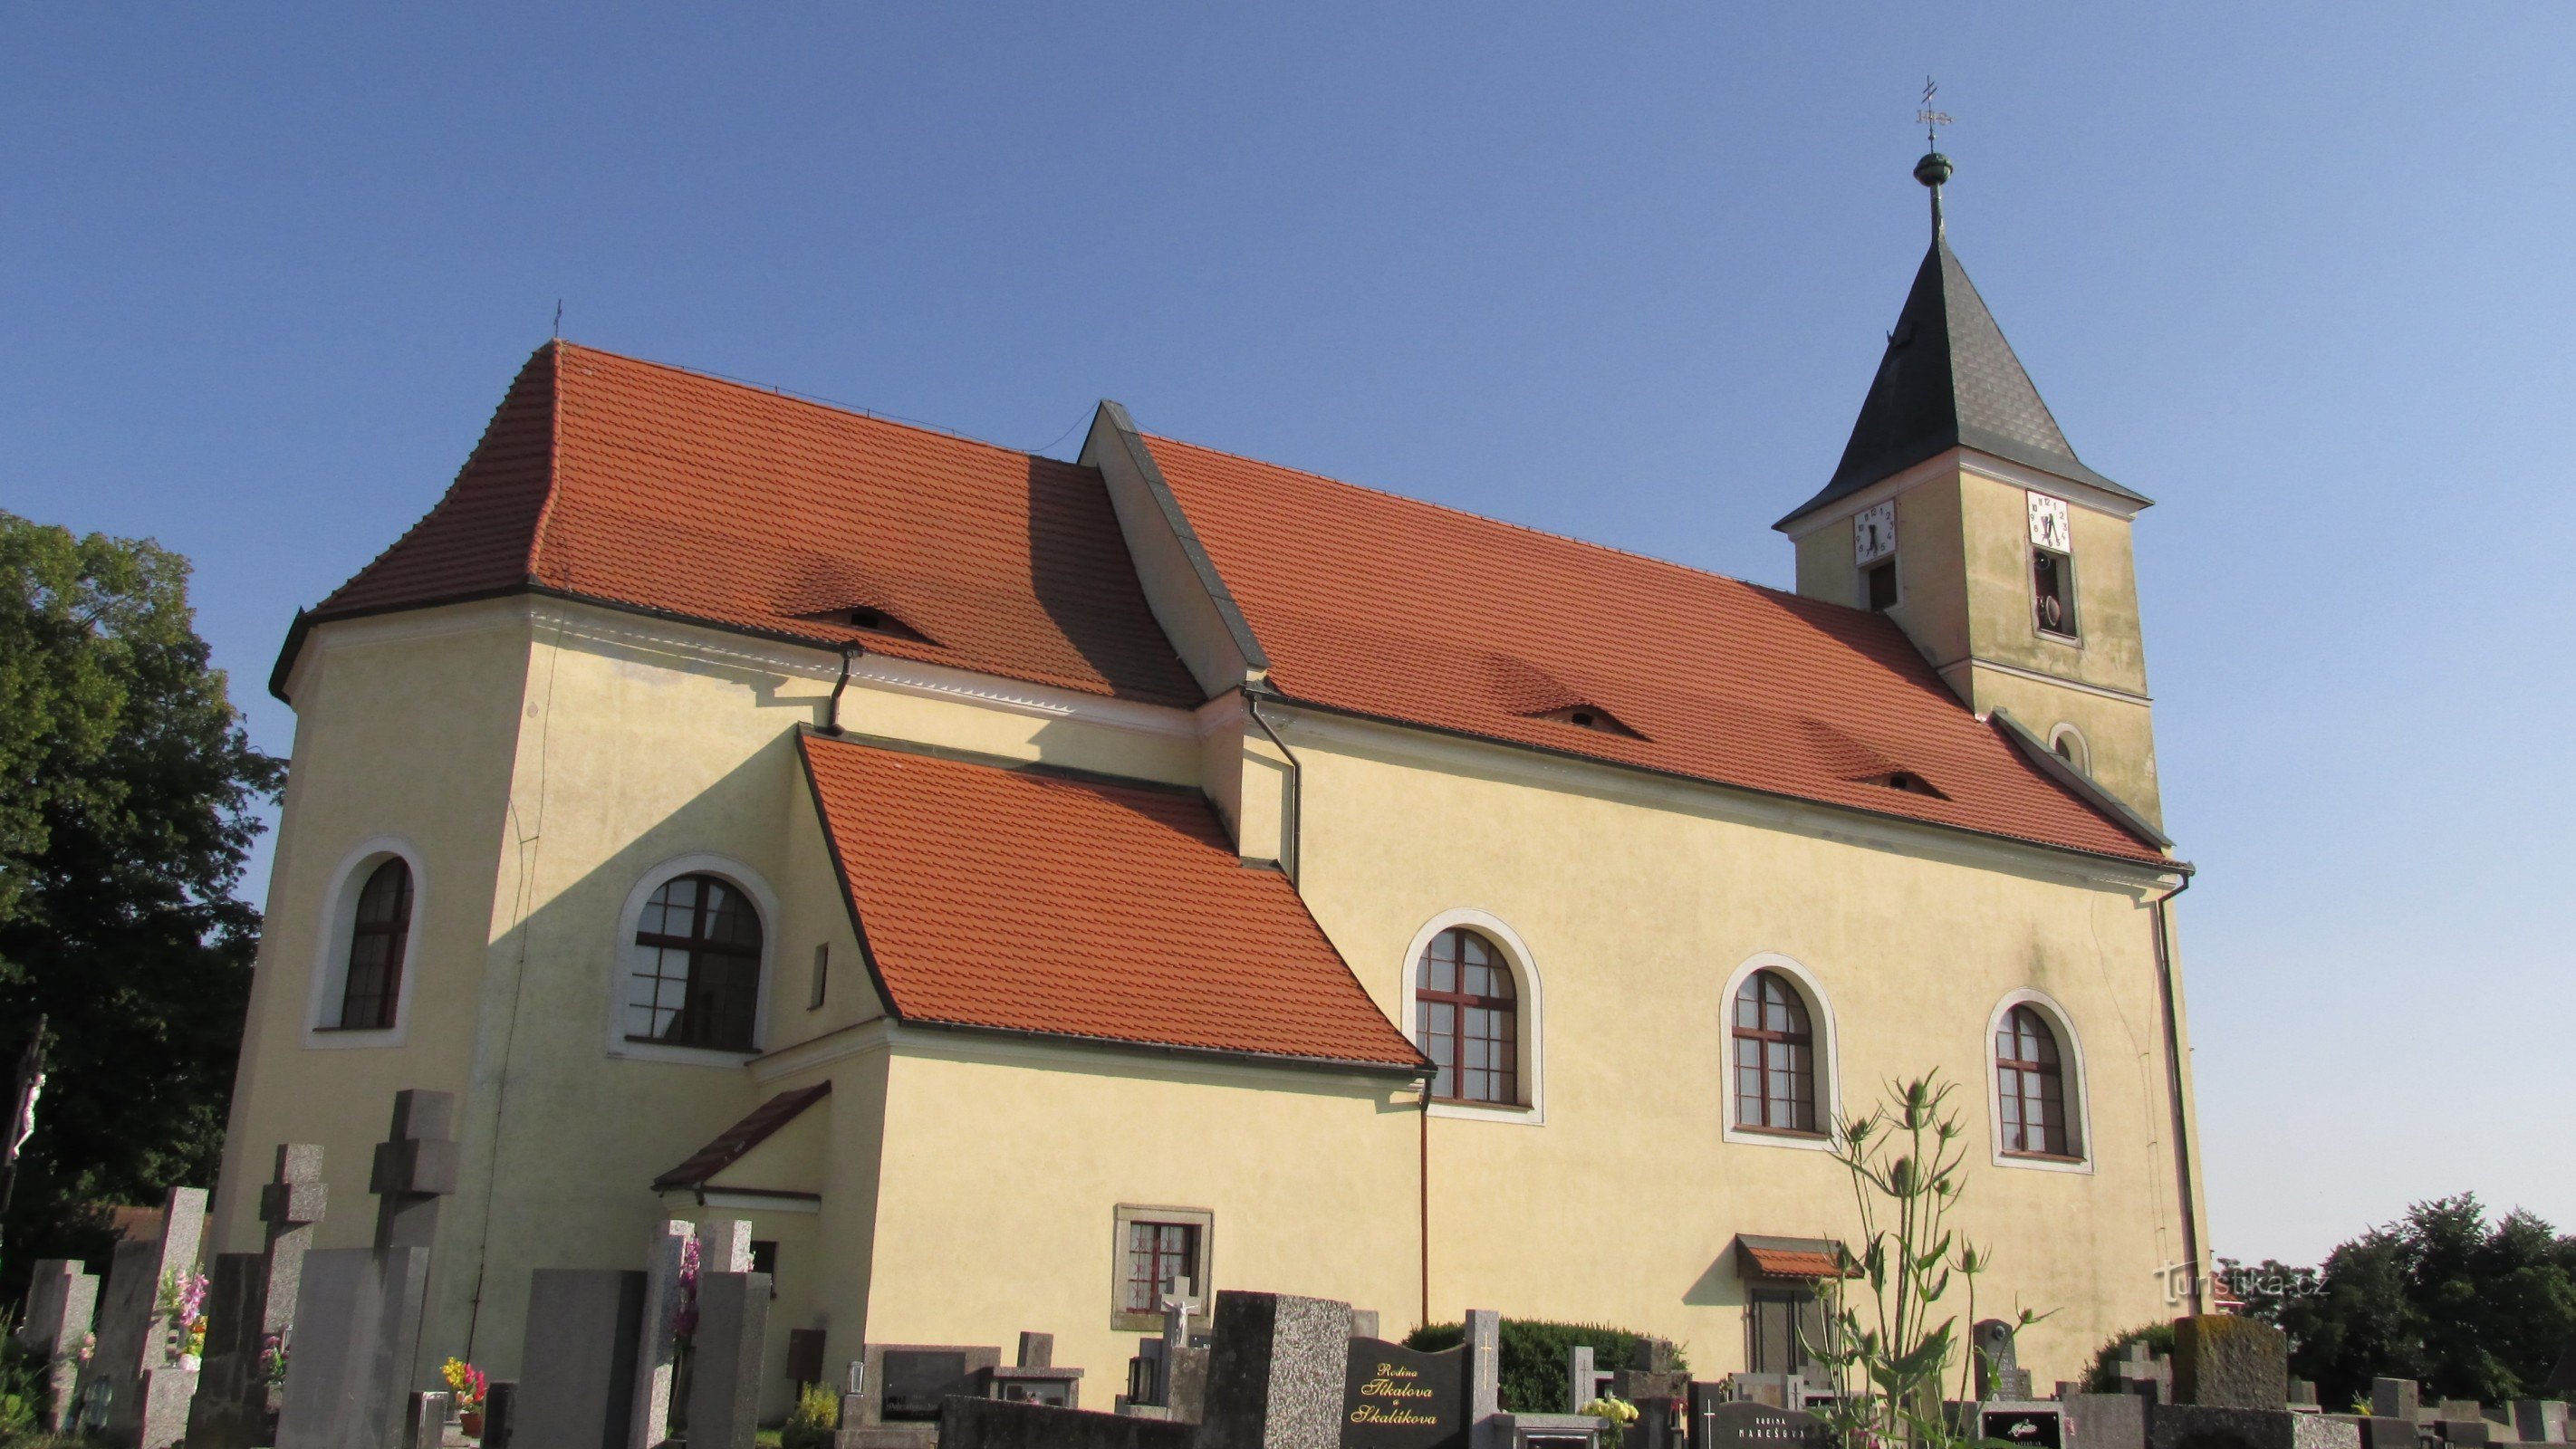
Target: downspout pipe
[(1292, 811), (832, 711), (2160, 923)]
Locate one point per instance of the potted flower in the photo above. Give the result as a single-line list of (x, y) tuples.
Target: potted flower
[(272, 1371), (1615, 1414), (468, 1383)]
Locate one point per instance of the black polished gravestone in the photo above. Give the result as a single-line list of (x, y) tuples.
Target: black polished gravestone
[(1394, 1397), (1741, 1424), (917, 1379), (2028, 1428)]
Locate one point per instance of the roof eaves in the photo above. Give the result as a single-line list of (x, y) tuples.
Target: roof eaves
[(1409, 1071), (1656, 772), (2080, 785)]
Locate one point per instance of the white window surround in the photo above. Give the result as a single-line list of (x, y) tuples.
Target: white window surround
[(1531, 1013), (2081, 756), (1820, 1021), (2070, 1063), (339, 919), (623, 959)]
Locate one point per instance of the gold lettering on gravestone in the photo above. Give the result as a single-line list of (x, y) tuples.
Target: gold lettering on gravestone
[(1396, 1383)]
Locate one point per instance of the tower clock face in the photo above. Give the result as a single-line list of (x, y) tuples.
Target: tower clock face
[(2048, 522), (1874, 533)]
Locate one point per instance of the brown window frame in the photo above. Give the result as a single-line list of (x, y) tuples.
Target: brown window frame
[(695, 991), (1201, 1249), (377, 1009), (1758, 1039), (2040, 1079), (1503, 1009)]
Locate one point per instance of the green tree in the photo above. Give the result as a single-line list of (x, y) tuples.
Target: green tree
[(2476, 1310), (130, 792)]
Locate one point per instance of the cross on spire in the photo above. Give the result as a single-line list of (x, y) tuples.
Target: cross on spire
[(1934, 168)]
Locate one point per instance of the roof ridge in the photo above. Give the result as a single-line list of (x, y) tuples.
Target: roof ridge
[(1528, 528), (812, 400), (554, 460)]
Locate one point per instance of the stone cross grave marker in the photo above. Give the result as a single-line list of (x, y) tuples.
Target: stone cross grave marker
[(1582, 1381), (136, 1367), (253, 1302), (358, 1310), (414, 1168), (62, 1303)]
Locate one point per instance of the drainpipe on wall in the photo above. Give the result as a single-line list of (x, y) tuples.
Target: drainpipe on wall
[(2162, 927), (832, 711), (1291, 806)]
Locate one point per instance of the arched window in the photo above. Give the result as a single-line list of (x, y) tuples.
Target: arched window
[(696, 981), (2030, 1085), (1775, 1056), (2068, 742), (1469, 1019), (378, 941)]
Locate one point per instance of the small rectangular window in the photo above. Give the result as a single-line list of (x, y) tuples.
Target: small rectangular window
[(822, 978), (2052, 586), (1161, 1251), (1879, 581)]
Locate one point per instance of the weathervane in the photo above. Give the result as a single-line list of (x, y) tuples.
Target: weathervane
[(1931, 120), (1934, 168)]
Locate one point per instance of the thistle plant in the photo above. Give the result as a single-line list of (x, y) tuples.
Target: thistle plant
[(1890, 1351)]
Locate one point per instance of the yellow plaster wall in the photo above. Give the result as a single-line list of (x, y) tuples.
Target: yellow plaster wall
[(1637, 910), (544, 762), (1006, 1166), (396, 736)]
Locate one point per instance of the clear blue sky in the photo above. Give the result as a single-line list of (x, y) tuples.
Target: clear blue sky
[(2301, 273)]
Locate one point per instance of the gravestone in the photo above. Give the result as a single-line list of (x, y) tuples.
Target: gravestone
[(577, 1371), (1395, 1397), (357, 1310), (1739, 1424), (2206, 1426), (136, 1365), (425, 1420), (1583, 1382), (1999, 1371), (414, 1168), (724, 1246), (2396, 1399), (2540, 1421), (1167, 1379), (2381, 1433), (253, 1302), (1034, 1378), (2224, 1362), (500, 1413), (724, 1369), (2105, 1421), (357, 1317), (657, 1354), (2145, 1373), (62, 1303), (2024, 1423), (1276, 1368), (900, 1386)]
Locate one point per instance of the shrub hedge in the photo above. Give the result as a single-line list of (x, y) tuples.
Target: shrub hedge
[(1533, 1356)]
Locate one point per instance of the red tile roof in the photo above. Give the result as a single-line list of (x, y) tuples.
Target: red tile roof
[(637, 484), (735, 1142), (1402, 610), (1029, 900)]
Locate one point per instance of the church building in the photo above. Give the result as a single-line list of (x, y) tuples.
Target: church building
[(1025, 889)]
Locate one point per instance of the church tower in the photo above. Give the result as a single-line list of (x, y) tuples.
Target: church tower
[(1960, 511)]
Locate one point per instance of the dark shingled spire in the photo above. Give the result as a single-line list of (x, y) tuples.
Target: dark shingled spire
[(1949, 380)]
